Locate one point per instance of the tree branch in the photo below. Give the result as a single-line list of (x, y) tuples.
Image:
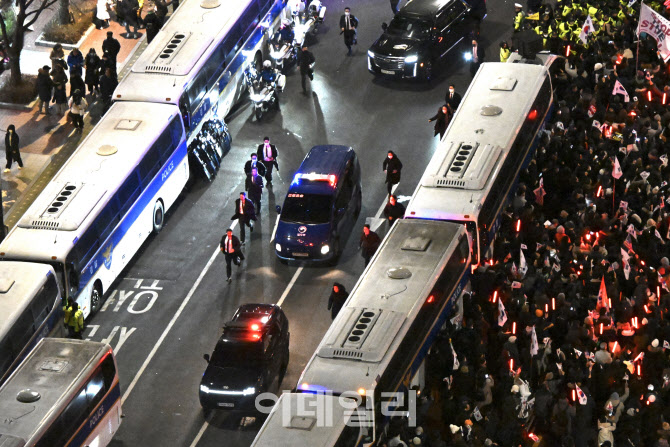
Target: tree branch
[(3, 27), (36, 12)]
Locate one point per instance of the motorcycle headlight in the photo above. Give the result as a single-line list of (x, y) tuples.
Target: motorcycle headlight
[(325, 249), (371, 54), (256, 97), (411, 59), (278, 246)]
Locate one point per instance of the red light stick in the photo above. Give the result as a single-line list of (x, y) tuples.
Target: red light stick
[(614, 347), (495, 296), (514, 328), (567, 51), (518, 225), (609, 301), (639, 370), (658, 292), (553, 304), (664, 97), (574, 396), (601, 329), (546, 308), (649, 95), (511, 365)]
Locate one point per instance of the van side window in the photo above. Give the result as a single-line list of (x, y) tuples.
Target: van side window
[(449, 14), (347, 189)]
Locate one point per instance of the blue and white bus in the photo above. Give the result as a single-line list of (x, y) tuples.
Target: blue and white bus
[(197, 61), (30, 309), (104, 202), (66, 393), (493, 135)]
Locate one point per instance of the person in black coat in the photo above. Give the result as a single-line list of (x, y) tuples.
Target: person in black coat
[(337, 298), (232, 249), (44, 87), (77, 83), (442, 119), (348, 25), (92, 75), (394, 210), (306, 70), (369, 243), (452, 98), (267, 153), (153, 24), (246, 213), (111, 47), (477, 57), (254, 185), (107, 85), (392, 167), (254, 162), (12, 148)]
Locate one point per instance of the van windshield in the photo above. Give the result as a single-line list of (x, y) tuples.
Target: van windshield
[(307, 208), (408, 28)]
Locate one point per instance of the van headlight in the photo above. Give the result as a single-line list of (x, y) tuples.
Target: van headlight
[(204, 389), (411, 59), (371, 54), (278, 246), (325, 249), (249, 391)]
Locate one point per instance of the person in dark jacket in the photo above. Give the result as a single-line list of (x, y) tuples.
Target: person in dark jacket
[(477, 54), (162, 10), (12, 148), (111, 46), (369, 243), (92, 77), (337, 298), (267, 153), (75, 60), (230, 246), (245, 212), (392, 167), (44, 88), (254, 185), (452, 98), (254, 162), (131, 11), (348, 26), (107, 85), (77, 84), (153, 24), (306, 70), (442, 119), (394, 210), (60, 94)]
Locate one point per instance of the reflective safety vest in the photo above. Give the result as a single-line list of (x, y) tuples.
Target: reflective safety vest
[(518, 20), (504, 54), (77, 321), (567, 9), (592, 11), (67, 314)]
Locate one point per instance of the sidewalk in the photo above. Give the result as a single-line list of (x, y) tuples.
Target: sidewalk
[(47, 141)]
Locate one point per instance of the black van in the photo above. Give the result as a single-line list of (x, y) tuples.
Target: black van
[(321, 206), (421, 34)]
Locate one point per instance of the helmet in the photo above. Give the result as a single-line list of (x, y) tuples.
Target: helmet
[(267, 64)]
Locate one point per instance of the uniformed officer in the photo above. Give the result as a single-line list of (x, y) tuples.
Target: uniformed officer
[(369, 243), (519, 17), (230, 247), (394, 210), (245, 212), (67, 313), (267, 153), (76, 324)]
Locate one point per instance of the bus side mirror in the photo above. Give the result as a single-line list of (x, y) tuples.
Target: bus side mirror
[(206, 357), (278, 208), (384, 26)]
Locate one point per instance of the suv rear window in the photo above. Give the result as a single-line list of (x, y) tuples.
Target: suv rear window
[(307, 208), (229, 354), (409, 28)]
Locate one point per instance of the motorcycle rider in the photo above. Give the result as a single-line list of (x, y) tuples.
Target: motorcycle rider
[(285, 34), (268, 76)]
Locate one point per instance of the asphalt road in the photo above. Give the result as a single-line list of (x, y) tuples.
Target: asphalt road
[(172, 300)]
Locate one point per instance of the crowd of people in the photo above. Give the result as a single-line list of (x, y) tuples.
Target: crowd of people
[(565, 334)]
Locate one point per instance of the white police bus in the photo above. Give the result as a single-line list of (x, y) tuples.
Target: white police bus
[(378, 342), (492, 136), (105, 201), (197, 61), (66, 393), (30, 309)]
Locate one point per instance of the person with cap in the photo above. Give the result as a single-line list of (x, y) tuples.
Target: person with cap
[(519, 17), (44, 88), (267, 153), (78, 107), (337, 298), (230, 246), (245, 213)]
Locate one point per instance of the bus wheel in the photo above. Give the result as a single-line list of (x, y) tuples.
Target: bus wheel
[(159, 216), (96, 298)]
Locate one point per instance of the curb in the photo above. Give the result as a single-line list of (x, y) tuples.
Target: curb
[(26, 191), (66, 46), (19, 107)]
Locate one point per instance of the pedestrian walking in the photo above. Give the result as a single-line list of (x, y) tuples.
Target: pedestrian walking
[(57, 55), (12, 148), (131, 10), (394, 6), (107, 85), (452, 98), (394, 210), (92, 77), (152, 23), (348, 25), (111, 46), (369, 243), (78, 106), (477, 57), (268, 154), (76, 324), (44, 88), (75, 60), (60, 96), (306, 67), (254, 185), (230, 246), (102, 9), (392, 167), (442, 119), (245, 213), (252, 163), (337, 299)]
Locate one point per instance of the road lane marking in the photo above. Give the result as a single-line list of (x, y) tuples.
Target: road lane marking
[(381, 208), (172, 322), (200, 433), (274, 230)]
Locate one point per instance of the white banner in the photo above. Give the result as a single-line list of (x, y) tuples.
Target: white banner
[(657, 27)]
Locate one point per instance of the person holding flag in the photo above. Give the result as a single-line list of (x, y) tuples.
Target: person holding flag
[(587, 29)]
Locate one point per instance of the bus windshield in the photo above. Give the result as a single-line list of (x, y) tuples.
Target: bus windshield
[(307, 208), (409, 28)]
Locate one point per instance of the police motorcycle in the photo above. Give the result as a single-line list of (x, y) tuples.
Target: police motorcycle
[(308, 21), (283, 51), (264, 87)]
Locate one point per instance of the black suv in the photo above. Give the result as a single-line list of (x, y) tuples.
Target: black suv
[(421, 34), (250, 355)]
